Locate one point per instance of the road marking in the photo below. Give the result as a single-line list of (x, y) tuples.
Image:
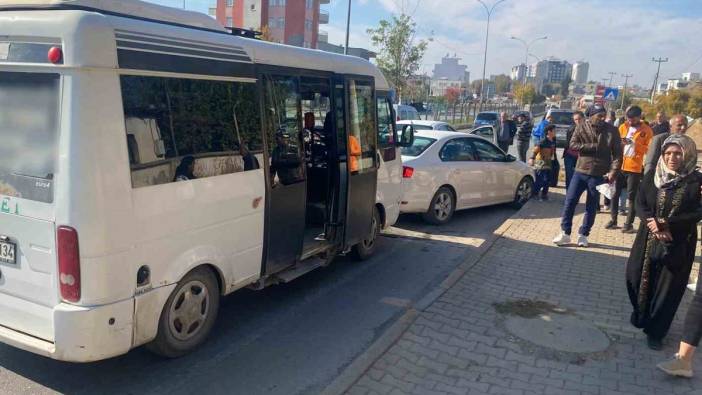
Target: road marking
[(397, 302)]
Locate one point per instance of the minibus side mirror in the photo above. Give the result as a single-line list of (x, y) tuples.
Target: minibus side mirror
[(407, 136), (160, 148)]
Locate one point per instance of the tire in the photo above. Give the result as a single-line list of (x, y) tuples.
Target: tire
[(441, 208), (186, 321), (523, 193), (366, 248)]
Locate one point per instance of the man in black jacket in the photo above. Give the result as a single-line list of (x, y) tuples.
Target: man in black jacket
[(570, 156), (506, 129), (600, 157), (524, 128)]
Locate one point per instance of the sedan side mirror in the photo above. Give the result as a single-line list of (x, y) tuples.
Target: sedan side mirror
[(511, 158), (407, 136)]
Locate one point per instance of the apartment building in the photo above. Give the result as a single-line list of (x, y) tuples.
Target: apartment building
[(293, 22)]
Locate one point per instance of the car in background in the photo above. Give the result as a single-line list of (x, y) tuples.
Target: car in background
[(487, 132), (427, 125), (445, 171), (526, 114), (563, 119), (405, 112), (486, 118)]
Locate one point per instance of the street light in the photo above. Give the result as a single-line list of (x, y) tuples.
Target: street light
[(526, 53), (487, 33)]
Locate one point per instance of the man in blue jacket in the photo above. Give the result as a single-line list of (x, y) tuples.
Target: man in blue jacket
[(539, 131)]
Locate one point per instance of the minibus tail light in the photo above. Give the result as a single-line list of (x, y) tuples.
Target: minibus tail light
[(407, 172), (68, 263)]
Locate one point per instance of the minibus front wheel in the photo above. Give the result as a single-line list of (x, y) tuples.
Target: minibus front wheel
[(188, 315), (366, 248)]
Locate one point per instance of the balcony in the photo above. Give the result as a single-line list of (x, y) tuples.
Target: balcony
[(323, 37), (323, 17)]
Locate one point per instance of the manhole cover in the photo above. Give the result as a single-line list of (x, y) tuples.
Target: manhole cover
[(560, 332)]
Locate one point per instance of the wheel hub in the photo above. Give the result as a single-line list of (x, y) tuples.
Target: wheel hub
[(189, 310)]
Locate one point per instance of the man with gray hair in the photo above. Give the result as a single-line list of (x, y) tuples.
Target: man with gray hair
[(678, 125)]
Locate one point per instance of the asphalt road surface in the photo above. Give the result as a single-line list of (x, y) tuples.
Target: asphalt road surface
[(287, 339)]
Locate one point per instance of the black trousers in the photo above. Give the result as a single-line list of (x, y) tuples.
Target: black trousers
[(632, 181), (692, 330)]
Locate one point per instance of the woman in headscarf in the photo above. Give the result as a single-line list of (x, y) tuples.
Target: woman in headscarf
[(661, 258)]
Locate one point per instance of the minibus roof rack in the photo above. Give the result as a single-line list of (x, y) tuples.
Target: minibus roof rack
[(133, 9), (248, 33)]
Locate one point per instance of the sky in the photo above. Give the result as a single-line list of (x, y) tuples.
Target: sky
[(619, 36)]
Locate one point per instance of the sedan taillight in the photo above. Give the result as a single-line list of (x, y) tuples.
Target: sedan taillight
[(407, 172)]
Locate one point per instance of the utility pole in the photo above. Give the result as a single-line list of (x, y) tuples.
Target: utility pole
[(348, 26), (487, 33), (611, 76), (626, 83), (658, 72)]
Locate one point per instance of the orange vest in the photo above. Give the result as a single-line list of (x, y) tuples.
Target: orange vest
[(642, 138), (354, 153)]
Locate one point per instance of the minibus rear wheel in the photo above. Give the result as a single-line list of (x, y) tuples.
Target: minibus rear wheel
[(366, 248), (188, 315)]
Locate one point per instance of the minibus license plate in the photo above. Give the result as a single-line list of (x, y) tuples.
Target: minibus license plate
[(7, 252)]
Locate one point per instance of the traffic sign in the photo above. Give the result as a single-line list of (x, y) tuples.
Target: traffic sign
[(611, 94)]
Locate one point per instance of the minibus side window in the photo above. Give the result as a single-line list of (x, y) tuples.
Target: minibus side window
[(181, 129), (283, 122), (387, 136)]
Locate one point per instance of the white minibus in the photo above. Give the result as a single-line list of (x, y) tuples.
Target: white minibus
[(152, 162)]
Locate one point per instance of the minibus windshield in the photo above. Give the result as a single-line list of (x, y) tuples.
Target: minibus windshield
[(29, 105)]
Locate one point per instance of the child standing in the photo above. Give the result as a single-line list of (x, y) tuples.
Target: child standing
[(542, 161)]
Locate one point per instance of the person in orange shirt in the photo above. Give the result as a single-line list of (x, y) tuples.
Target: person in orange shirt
[(354, 153), (636, 136)]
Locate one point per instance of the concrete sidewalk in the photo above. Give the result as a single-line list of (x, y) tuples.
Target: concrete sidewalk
[(529, 317)]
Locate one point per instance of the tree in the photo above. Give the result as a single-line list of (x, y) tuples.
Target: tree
[(398, 57), (564, 86), (525, 94), (452, 95), (266, 34), (502, 83)]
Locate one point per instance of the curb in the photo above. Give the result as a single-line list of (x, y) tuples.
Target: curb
[(354, 371)]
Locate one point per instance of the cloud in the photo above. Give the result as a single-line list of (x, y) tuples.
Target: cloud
[(612, 36)]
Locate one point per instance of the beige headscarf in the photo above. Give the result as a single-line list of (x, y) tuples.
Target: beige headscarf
[(666, 178)]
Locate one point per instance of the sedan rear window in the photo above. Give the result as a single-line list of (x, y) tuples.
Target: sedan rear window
[(417, 127), (420, 145), (487, 117), (562, 118)]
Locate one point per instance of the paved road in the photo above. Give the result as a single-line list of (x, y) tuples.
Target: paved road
[(288, 339)]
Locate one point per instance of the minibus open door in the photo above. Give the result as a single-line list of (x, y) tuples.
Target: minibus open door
[(360, 169)]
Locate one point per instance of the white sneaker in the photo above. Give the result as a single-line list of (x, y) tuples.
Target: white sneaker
[(676, 367), (582, 241), (562, 239)]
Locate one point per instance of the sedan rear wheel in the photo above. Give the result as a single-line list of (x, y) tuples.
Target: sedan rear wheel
[(441, 208)]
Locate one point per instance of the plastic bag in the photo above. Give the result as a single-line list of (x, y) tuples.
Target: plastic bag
[(606, 189)]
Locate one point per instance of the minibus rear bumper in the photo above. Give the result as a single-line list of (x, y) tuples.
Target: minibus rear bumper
[(82, 334)]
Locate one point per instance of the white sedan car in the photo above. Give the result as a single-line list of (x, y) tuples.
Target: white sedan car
[(427, 125), (447, 171)]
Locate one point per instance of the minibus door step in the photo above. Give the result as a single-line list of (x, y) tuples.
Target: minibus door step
[(300, 269)]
